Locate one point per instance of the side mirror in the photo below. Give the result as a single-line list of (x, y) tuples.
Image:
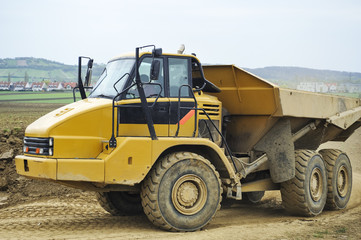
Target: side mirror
[(154, 70), (157, 52), (88, 75)]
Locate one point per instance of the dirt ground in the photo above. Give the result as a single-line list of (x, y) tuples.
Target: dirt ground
[(32, 209)]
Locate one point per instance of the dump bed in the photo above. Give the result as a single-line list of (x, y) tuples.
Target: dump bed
[(255, 105)]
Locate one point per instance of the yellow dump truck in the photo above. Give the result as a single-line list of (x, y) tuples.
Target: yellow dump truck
[(161, 133)]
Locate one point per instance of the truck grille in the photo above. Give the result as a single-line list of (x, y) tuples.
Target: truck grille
[(38, 146), (211, 110)]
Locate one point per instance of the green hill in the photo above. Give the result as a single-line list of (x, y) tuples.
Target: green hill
[(291, 76), (38, 69)]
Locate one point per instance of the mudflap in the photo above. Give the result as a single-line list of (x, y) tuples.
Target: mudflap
[(280, 150)]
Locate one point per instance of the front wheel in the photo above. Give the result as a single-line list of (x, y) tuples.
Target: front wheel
[(182, 192), (306, 193), (339, 180)]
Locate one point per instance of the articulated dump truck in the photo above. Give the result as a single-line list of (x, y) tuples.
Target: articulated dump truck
[(162, 134)]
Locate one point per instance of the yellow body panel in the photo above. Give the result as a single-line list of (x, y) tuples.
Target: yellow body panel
[(90, 170), (78, 128), (133, 158), (313, 105), (129, 162), (242, 93)]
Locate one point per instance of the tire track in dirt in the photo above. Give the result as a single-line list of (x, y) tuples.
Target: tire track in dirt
[(82, 218), (78, 216)]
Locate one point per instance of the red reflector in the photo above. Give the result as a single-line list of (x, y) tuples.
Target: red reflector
[(37, 150), (27, 149)]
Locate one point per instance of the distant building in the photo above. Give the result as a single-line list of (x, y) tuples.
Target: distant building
[(28, 87), (320, 87), (38, 86), (55, 86), (313, 87), (6, 86), (353, 88), (306, 86), (19, 86), (332, 87), (69, 85)]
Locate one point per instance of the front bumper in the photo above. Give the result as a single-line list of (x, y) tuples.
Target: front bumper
[(43, 168), (89, 170)]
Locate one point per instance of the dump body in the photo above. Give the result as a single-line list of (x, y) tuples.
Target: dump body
[(255, 106)]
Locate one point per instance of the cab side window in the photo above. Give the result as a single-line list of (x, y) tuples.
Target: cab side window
[(178, 76), (151, 87)]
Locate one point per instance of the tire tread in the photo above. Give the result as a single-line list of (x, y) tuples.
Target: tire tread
[(148, 188)]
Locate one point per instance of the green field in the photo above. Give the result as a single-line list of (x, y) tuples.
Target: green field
[(351, 95), (36, 97)]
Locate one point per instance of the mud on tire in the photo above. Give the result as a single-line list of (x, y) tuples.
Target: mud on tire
[(339, 181), (120, 203), (182, 192), (306, 193)]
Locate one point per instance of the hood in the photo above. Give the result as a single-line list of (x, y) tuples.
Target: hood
[(43, 126)]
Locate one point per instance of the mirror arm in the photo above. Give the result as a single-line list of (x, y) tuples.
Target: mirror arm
[(87, 77), (80, 81)]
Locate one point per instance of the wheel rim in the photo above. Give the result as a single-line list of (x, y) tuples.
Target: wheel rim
[(316, 184), (342, 181), (189, 194)]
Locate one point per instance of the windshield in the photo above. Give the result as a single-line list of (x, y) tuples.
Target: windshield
[(114, 71)]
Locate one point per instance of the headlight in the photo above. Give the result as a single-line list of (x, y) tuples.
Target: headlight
[(38, 146)]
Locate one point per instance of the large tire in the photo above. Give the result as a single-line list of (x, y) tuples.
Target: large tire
[(339, 180), (306, 193), (182, 192), (120, 203)]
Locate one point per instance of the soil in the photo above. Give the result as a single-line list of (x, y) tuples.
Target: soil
[(33, 209)]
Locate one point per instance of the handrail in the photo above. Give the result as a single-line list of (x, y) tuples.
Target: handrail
[(179, 108), (112, 141), (74, 97), (195, 125)]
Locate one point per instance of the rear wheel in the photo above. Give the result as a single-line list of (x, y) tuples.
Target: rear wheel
[(182, 192), (120, 203), (306, 193), (339, 180)]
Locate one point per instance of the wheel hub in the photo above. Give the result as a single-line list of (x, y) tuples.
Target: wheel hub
[(189, 194), (316, 184), (342, 181)]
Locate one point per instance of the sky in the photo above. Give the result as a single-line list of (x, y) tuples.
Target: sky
[(320, 34)]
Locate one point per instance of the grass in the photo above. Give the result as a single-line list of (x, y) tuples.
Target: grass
[(351, 95), (36, 97), (320, 234), (338, 231), (341, 230)]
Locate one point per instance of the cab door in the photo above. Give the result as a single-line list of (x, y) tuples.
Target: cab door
[(131, 117), (182, 116)]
